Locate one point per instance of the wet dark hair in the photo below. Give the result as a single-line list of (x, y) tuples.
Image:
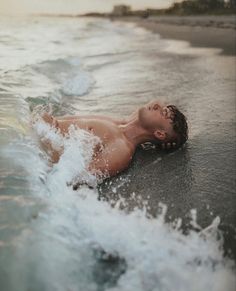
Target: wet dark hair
[(180, 126)]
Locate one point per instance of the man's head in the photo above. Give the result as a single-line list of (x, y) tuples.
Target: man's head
[(166, 123)]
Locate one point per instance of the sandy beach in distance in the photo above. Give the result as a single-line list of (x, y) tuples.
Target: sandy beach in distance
[(201, 31)]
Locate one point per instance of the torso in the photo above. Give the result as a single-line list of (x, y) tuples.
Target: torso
[(110, 133), (106, 130)]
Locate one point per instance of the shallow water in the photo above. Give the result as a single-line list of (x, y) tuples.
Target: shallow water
[(54, 238)]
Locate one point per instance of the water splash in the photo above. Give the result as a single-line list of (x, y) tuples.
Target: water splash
[(158, 256)]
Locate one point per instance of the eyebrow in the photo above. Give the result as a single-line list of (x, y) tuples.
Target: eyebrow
[(172, 114), (168, 111)]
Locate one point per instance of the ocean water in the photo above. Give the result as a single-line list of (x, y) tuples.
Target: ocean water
[(129, 233)]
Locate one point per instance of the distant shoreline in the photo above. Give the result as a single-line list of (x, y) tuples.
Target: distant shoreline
[(200, 31), (210, 31)]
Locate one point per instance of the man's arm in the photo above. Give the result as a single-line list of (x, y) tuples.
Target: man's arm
[(112, 160)]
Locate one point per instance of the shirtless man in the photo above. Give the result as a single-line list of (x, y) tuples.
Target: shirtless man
[(153, 122)]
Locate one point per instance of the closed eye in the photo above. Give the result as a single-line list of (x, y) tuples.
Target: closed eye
[(166, 112)]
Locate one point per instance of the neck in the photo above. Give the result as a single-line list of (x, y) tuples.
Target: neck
[(135, 133)]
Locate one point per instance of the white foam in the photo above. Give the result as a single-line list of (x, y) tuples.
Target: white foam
[(158, 255), (78, 84)]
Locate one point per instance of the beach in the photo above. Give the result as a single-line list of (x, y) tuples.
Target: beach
[(199, 31), (166, 221), (202, 33)]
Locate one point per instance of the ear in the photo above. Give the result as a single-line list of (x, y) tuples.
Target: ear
[(160, 134)]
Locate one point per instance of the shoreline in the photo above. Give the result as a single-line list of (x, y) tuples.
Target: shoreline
[(199, 31)]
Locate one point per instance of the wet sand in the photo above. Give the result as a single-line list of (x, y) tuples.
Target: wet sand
[(200, 31), (192, 177)]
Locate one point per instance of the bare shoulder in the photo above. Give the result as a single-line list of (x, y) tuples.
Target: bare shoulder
[(114, 158), (119, 155), (120, 148)]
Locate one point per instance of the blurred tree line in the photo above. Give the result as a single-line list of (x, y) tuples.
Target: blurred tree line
[(202, 6)]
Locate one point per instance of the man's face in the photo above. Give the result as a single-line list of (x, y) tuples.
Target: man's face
[(156, 116)]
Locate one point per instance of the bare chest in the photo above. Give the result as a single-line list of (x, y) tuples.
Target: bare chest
[(113, 141), (107, 131)]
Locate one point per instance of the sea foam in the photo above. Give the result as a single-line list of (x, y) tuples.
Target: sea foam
[(158, 255)]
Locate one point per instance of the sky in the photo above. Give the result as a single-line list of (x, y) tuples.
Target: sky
[(75, 6)]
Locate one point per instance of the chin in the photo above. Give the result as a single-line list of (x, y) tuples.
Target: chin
[(142, 110), (143, 116)]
